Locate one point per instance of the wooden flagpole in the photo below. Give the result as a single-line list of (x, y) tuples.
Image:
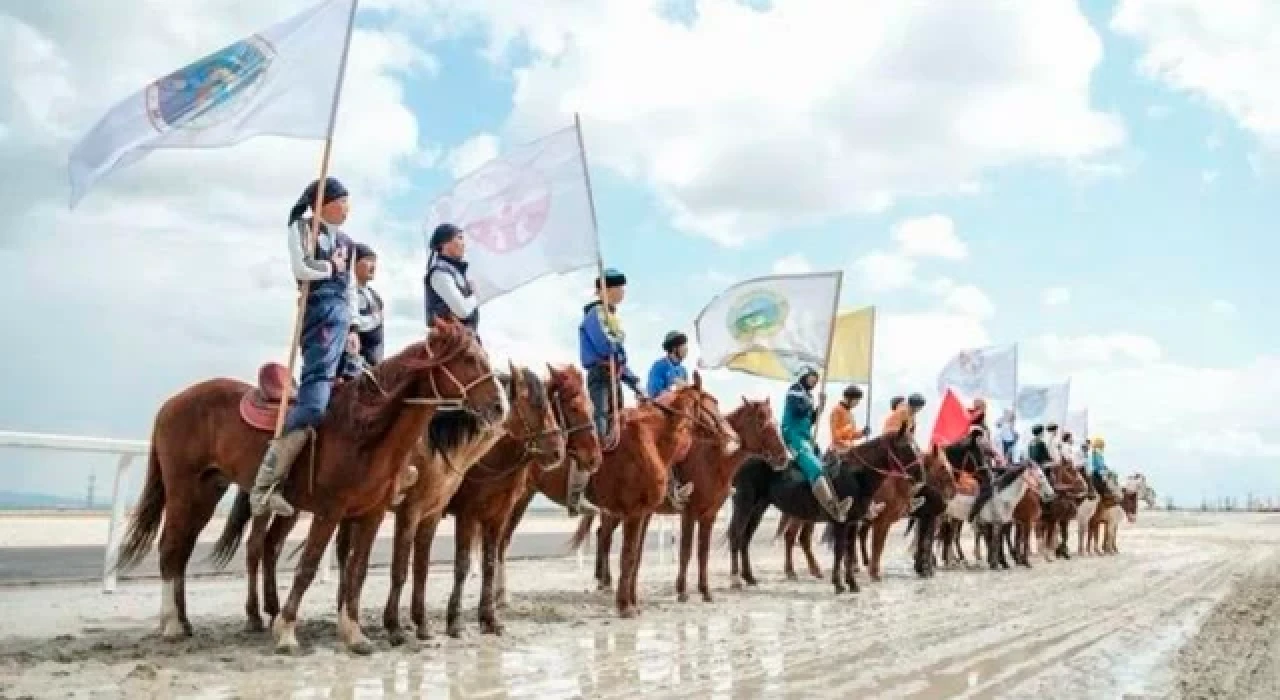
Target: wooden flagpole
[(831, 341), (601, 287), (871, 359), (315, 220)]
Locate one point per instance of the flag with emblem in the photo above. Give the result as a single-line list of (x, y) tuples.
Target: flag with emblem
[(1043, 403), (282, 81), (990, 372), (769, 326), (526, 214), (853, 346), (1077, 424)]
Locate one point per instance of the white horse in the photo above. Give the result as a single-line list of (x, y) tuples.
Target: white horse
[(995, 518)]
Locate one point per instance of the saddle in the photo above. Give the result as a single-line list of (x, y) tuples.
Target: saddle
[(260, 406)]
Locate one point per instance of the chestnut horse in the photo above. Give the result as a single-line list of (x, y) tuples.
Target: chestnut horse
[(1105, 523), (442, 460), (488, 495), (632, 480), (710, 469), (200, 443), (1070, 488), (934, 482), (856, 475)]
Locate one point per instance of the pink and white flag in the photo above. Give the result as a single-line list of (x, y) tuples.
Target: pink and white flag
[(526, 215)]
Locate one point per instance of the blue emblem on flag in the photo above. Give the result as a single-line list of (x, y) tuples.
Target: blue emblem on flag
[(208, 91)]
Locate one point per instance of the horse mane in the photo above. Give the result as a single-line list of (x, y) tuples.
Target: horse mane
[(360, 405)]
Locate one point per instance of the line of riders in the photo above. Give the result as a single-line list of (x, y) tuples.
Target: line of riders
[(343, 334)]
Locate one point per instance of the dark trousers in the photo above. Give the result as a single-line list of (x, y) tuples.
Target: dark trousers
[(324, 337)]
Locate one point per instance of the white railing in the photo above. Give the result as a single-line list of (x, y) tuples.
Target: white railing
[(127, 450)]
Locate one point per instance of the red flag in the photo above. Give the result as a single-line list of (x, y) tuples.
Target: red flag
[(952, 422)]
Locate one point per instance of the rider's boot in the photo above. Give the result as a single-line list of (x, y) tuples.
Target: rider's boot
[(276, 463), (826, 495), (677, 493)]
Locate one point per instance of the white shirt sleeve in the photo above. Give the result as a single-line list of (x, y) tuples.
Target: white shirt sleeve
[(353, 295), (305, 267), (449, 293), (367, 322)]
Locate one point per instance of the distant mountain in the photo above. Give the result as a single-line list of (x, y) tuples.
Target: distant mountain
[(18, 500)]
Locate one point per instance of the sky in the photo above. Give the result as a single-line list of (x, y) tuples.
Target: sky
[(1095, 181)]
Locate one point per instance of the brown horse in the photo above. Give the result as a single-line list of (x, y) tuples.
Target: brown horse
[(200, 443), (795, 531), (1070, 488), (632, 482), (442, 460), (1025, 516), (710, 469)]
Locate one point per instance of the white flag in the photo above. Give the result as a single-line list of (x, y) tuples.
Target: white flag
[(1043, 403), (281, 81), (1077, 424), (769, 326), (990, 372), (526, 214)]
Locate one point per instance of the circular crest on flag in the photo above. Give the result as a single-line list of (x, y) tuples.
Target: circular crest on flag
[(757, 315), (971, 363), (212, 89), (1032, 402), (502, 209)]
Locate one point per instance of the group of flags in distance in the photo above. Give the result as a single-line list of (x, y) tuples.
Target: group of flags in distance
[(528, 214)]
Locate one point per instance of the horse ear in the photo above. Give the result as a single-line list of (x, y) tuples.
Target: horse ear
[(745, 402), (902, 430), (697, 379)]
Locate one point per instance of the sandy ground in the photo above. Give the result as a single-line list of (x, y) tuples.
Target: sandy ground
[(1086, 628)]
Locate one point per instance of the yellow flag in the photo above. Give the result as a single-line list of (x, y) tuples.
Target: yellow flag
[(851, 349)]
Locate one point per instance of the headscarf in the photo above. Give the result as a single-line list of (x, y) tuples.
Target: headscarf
[(333, 190)]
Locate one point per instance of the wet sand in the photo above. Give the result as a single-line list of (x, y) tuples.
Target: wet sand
[(1086, 628)]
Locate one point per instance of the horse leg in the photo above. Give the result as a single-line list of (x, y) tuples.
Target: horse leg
[(806, 546), (342, 553), (488, 569), (790, 532), (687, 526), (632, 540), (862, 530), (633, 583), (604, 548), (421, 563), (753, 524), (851, 562), (989, 535), (183, 522), (401, 550), (364, 532), (1001, 551), (705, 527), (464, 534), (253, 551), (286, 624), (879, 531), (1062, 551), (272, 547), (841, 543)]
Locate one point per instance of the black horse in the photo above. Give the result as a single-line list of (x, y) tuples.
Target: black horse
[(968, 454), (856, 475)]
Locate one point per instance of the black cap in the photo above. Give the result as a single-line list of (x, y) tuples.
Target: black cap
[(853, 391), (364, 250), (612, 279), (443, 234), (674, 340)]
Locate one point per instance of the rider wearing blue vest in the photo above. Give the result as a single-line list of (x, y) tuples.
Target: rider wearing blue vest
[(448, 292), (798, 417), (1098, 467), (326, 325)]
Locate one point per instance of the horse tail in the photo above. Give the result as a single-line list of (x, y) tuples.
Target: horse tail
[(232, 531), (911, 522), (146, 517), (583, 532)]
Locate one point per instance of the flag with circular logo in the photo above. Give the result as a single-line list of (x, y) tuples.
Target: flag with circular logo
[(1043, 403), (990, 372), (769, 326)]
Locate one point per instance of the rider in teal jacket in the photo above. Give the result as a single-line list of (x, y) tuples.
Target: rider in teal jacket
[(798, 417)]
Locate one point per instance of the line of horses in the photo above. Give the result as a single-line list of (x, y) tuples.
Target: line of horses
[(484, 443)]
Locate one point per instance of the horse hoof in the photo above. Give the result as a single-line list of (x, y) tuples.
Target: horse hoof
[(682, 597), (735, 584), (628, 613), (875, 578), (453, 629), (791, 576), (706, 597), (360, 647), (817, 573), (397, 637), (254, 625), (491, 627), (839, 590), (423, 633), (287, 649)]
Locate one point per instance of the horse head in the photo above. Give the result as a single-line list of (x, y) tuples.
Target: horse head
[(454, 372), (531, 421), (1135, 488), (703, 412), (574, 416), (938, 473), (754, 423), (1069, 478), (1041, 480)]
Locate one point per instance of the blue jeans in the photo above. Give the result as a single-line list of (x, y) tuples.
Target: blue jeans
[(1008, 450), (325, 324), (598, 389)]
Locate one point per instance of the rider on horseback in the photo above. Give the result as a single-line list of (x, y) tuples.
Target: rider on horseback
[(367, 324), (1098, 467), (447, 291), (1053, 442), (326, 324), (797, 432), (1039, 452), (844, 429), (903, 413), (668, 373)]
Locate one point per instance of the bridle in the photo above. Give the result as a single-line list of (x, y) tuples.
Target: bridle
[(762, 426), (709, 429), (896, 465), (440, 364)]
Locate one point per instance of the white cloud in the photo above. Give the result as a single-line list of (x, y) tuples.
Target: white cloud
[(1102, 349), (931, 236), (964, 299), (1223, 307), (472, 153), (1226, 54), (881, 271), (1056, 296), (794, 264), (751, 118)]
